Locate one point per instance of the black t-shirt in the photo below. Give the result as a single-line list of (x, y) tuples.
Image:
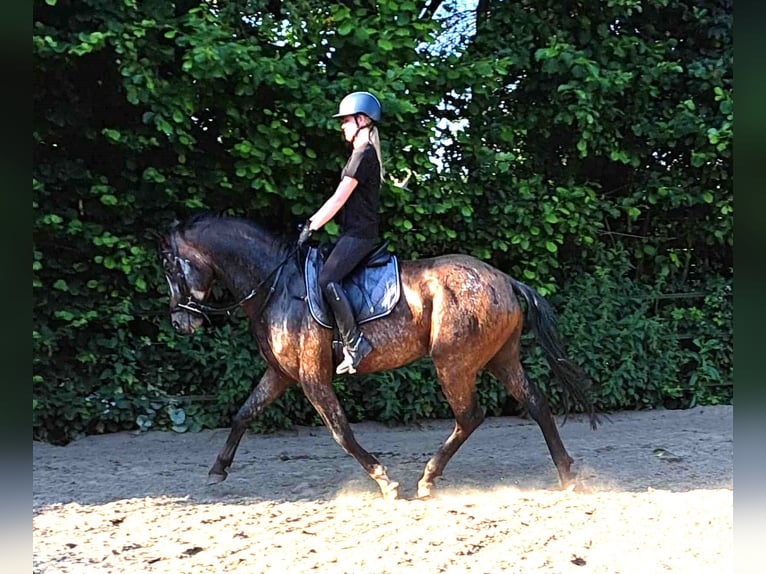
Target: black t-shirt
[(359, 215)]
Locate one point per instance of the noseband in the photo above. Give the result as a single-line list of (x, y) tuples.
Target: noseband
[(174, 265)]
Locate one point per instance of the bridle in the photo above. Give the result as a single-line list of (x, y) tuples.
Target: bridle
[(174, 265)]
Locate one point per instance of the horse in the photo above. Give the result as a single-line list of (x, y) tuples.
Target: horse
[(461, 312)]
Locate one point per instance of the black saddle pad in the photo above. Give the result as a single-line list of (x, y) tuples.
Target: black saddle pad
[(373, 291)]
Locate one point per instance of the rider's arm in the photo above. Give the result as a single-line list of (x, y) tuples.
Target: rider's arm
[(334, 203)]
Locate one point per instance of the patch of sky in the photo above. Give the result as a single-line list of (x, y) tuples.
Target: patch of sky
[(457, 19), (458, 22)]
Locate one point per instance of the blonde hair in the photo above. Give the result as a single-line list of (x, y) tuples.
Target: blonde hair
[(375, 141)]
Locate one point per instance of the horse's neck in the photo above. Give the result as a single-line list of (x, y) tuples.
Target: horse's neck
[(242, 265)]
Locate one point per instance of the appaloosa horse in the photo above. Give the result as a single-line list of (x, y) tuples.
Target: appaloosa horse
[(459, 311)]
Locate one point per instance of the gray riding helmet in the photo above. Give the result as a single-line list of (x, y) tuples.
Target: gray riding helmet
[(359, 103)]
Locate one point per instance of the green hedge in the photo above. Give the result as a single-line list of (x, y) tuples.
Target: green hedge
[(589, 155), (645, 346)]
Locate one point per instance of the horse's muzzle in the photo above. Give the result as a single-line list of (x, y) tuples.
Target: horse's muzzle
[(185, 323)]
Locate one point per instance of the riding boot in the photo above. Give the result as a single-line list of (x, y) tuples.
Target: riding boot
[(355, 346)]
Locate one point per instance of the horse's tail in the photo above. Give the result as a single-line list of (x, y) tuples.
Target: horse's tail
[(542, 319)]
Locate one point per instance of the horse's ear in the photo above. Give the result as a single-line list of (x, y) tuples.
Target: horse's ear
[(159, 238)]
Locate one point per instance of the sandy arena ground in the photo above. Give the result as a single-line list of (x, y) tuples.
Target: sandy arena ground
[(656, 497)]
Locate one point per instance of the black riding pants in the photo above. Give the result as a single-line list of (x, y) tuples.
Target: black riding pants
[(347, 254)]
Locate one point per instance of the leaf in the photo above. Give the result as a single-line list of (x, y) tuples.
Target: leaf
[(698, 159), (144, 422), (113, 135), (177, 415)]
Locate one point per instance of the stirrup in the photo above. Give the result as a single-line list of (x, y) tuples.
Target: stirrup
[(352, 356)]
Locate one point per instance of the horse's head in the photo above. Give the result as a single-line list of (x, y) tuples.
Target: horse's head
[(190, 278)]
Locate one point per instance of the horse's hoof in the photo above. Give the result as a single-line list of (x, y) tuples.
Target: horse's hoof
[(390, 491), (572, 482), (424, 491), (216, 477), (567, 478)]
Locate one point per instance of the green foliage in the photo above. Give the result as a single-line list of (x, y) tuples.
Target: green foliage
[(597, 123), (583, 140), (642, 343), (401, 396)]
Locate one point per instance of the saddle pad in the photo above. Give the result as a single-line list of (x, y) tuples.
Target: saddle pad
[(372, 291)]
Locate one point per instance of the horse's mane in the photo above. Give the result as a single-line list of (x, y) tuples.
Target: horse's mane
[(229, 228), (196, 219)]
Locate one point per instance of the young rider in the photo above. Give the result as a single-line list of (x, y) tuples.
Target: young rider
[(355, 202)]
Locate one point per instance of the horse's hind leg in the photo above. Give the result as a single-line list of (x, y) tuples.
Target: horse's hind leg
[(460, 390), (324, 400), (270, 387), (505, 366)]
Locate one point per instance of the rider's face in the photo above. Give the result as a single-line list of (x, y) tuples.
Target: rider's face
[(348, 127)]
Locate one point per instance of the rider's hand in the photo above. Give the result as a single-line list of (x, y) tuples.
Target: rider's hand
[(305, 233)]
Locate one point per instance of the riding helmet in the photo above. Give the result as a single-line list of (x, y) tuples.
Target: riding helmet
[(359, 103)]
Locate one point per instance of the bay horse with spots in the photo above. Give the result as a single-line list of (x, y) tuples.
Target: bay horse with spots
[(461, 312)]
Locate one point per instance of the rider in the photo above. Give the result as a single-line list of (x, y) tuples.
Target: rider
[(355, 201)]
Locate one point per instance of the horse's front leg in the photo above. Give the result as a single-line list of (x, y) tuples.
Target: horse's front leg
[(328, 406), (270, 387)]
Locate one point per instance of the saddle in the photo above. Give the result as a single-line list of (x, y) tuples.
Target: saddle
[(373, 287)]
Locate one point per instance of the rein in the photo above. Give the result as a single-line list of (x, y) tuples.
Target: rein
[(199, 308)]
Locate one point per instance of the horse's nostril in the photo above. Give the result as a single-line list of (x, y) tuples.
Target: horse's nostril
[(175, 323)]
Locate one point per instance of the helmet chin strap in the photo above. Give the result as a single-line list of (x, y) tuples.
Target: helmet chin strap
[(358, 129)]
